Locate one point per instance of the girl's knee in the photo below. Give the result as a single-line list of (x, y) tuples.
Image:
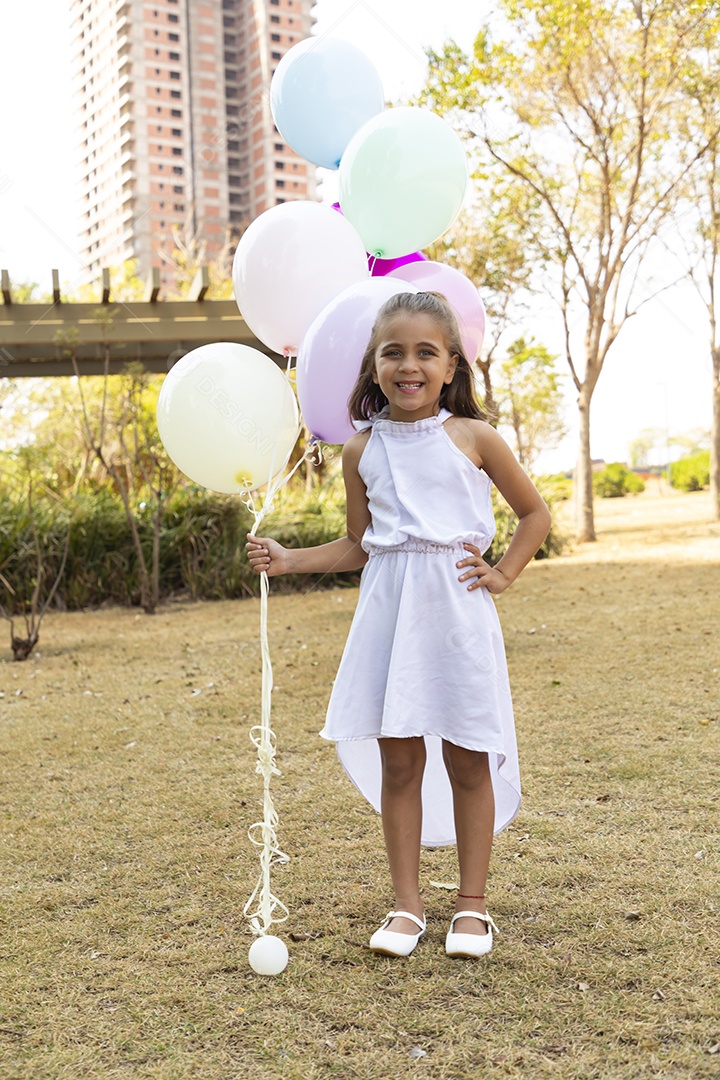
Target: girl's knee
[(403, 761), (468, 769)]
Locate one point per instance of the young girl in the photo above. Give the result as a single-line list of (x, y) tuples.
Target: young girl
[(421, 709)]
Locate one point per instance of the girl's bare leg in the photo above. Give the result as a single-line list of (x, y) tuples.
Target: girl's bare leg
[(474, 805), (403, 764)]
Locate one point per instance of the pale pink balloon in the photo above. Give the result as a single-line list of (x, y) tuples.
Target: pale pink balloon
[(460, 293), (289, 262)]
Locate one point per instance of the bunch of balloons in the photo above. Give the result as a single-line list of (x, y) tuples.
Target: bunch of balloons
[(309, 279)]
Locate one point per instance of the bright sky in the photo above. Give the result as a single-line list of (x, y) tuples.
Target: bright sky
[(657, 375)]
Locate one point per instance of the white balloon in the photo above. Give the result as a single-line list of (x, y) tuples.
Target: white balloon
[(227, 417), (268, 955), (290, 262)]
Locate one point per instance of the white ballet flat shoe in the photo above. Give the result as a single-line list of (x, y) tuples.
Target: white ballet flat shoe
[(390, 943), (470, 945)]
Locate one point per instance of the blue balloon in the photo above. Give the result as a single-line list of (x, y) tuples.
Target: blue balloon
[(322, 91)]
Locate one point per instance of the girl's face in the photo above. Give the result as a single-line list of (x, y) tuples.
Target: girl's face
[(412, 364)]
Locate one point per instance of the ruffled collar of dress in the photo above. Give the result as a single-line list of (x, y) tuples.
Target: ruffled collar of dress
[(382, 422)]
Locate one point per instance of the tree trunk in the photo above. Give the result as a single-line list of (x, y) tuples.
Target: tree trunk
[(715, 440), (488, 404), (582, 481)]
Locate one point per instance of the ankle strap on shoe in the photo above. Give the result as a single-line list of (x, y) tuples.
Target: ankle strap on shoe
[(406, 915), (486, 918)]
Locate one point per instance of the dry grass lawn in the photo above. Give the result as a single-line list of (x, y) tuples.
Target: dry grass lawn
[(128, 785)]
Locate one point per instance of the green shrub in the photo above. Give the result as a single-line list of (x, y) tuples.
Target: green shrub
[(556, 486), (691, 473), (202, 543), (615, 481)]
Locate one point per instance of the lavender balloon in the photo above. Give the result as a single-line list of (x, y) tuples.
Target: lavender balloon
[(460, 293), (329, 360)]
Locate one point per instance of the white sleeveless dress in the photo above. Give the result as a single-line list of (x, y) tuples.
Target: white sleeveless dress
[(424, 656)]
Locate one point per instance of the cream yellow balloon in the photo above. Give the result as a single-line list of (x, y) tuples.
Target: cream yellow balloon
[(227, 417)]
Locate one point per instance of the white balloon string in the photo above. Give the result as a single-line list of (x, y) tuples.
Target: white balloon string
[(263, 906)]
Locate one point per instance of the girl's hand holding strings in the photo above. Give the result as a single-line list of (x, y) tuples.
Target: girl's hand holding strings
[(266, 554), (493, 579)]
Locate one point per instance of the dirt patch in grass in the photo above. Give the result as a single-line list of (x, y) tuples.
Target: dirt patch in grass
[(129, 784)]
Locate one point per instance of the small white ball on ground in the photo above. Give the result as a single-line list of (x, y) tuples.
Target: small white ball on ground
[(268, 955)]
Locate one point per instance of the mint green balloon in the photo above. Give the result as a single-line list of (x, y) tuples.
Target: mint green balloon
[(402, 180)]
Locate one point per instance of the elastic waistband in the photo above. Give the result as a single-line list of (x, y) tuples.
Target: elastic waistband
[(426, 547)]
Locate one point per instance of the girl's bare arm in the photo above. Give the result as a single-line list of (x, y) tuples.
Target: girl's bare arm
[(342, 554), (534, 520)]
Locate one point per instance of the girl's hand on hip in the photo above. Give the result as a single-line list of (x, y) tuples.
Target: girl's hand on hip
[(474, 566), (266, 554)]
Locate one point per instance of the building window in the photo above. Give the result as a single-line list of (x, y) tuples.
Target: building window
[(279, 164), (276, 56), (275, 18), (175, 94), (173, 18), (177, 151), (174, 55), (176, 112), (177, 132), (174, 74), (178, 207), (279, 201), (177, 188), (177, 169), (279, 183), (173, 37), (274, 37), (279, 147)]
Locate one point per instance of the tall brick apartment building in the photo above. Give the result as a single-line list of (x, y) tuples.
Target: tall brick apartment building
[(175, 123)]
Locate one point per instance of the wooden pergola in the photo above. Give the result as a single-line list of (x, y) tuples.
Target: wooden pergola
[(39, 339)]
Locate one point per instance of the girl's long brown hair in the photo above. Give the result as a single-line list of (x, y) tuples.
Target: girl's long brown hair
[(458, 397)]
